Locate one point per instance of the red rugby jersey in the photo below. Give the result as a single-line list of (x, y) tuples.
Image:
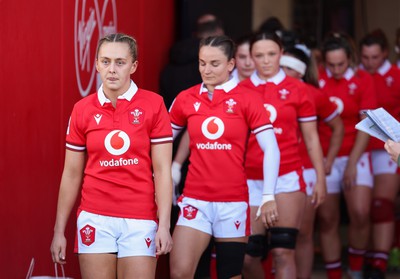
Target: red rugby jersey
[(353, 94), (118, 177), (218, 131), (287, 102), (387, 84)]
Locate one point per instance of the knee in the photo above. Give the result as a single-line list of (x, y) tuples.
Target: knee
[(256, 246), (382, 211), (360, 217), (180, 272), (282, 238), (230, 257)]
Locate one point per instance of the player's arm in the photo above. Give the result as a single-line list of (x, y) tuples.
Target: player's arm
[(359, 146), (69, 188), (161, 155), (314, 150), (268, 210), (337, 128)]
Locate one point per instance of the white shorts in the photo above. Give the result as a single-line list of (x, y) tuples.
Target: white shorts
[(310, 179), (334, 181), (287, 183), (123, 236), (220, 219), (381, 163)]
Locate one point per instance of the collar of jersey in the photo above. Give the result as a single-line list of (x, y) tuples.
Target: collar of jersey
[(347, 75), (128, 95), (384, 68), (227, 86), (276, 79)]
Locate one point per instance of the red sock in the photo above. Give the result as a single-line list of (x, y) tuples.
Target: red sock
[(334, 270), (356, 259), (380, 261), (213, 266), (267, 266)]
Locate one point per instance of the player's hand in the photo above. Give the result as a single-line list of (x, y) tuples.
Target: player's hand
[(319, 194), (176, 178), (268, 213), (163, 241), (58, 248), (349, 177), (393, 148)]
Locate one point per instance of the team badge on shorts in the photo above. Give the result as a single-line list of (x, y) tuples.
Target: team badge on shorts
[(136, 116), (190, 212), (88, 235)]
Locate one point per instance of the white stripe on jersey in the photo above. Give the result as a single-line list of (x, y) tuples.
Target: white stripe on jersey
[(176, 127), (330, 117), (75, 147), (158, 140), (262, 128), (307, 119)]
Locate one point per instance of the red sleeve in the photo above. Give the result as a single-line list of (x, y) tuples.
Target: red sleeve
[(75, 138), (161, 131), (306, 110)]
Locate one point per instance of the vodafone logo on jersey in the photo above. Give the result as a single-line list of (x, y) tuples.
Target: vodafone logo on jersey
[(272, 115), (117, 142), (213, 128), (271, 111), (338, 102)]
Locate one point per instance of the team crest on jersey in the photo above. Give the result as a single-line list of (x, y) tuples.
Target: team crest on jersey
[(190, 212), (352, 88), (322, 83), (389, 81), (196, 106), (136, 116), (88, 235), (284, 93), (230, 106)]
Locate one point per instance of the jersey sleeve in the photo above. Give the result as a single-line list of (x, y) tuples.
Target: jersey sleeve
[(306, 108), (161, 131), (176, 113), (326, 110), (75, 138), (256, 116)]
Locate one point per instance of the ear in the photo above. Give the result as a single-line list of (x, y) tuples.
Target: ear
[(134, 67), (97, 65), (231, 64)]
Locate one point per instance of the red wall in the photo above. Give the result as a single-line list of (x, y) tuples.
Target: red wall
[(38, 87)]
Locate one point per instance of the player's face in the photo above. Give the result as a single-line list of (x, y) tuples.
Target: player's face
[(244, 62), (266, 55), (115, 65), (337, 62), (372, 57), (214, 66)]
